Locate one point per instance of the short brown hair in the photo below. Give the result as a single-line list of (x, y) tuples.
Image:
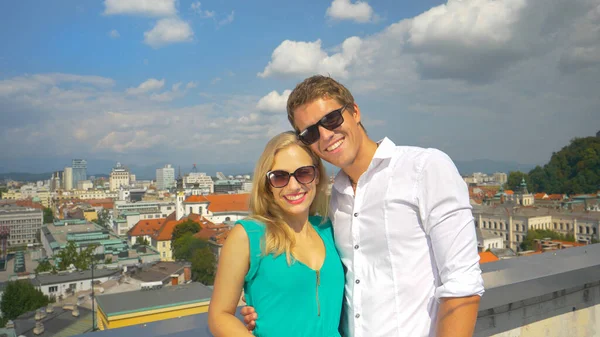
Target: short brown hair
[(315, 87)]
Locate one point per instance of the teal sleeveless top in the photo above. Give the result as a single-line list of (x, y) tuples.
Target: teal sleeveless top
[(294, 300)]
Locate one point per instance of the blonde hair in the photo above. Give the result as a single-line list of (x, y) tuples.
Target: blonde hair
[(279, 237)]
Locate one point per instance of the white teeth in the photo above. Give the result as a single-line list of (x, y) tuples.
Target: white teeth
[(294, 197), (335, 145)]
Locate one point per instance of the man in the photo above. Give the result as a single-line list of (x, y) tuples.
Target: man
[(402, 224)]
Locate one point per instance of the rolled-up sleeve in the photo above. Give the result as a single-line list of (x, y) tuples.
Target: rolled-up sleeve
[(445, 210)]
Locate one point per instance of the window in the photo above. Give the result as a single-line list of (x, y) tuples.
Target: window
[(587, 230), (53, 289), (506, 237), (164, 254), (164, 245), (476, 224), (229, 219), (580, 229)]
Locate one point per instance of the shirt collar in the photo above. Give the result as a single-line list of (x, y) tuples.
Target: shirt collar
[(384, 151)]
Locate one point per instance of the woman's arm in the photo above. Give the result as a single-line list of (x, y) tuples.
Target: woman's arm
[(229, 282)]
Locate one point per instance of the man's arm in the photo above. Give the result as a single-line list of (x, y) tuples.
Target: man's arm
[(229, 281), (446, 213), (454, 312)]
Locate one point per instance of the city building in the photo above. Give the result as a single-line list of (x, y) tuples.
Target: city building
[(57, 235), (165, 177), (56, 181), (79, 167), (21, 225), (227, 186), (146, 306), (68, 283), (199, 180), (486, 239), (513, 222), (84, 185), (68, 179), (500, 177), (119, 176)]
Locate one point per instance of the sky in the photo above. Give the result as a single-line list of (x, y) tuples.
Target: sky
[(176, 81)]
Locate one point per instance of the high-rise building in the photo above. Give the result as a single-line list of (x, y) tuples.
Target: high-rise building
[(165, 177), (68, 179), (119, 176), (79, 170), (56, 181)]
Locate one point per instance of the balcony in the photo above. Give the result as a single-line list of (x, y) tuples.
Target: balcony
[(552, 294)]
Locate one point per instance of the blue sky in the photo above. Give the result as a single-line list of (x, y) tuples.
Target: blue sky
[(154, 81)]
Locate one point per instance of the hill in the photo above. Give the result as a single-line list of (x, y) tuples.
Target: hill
[(575, 169)]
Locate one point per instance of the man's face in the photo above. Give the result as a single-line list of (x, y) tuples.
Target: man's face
[(339, 146)]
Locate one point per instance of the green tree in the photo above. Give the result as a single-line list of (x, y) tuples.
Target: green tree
[(80, 258), (48, 215), (514, 180), (44, 266), (204, 266), (185, 246), (142, 241), (3, 190), (574, 169), (187, 226), (108, 260), (528, 243), (103, 219), (20, 297)]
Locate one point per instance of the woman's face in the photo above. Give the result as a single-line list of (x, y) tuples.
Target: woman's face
[(294, 194)]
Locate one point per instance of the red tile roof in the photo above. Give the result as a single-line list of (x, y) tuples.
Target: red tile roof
[(166, 231), (538, 196), (29, 203), (555, 197), (196, 199), (228, 202), (509, 192), (146, 227), (485, 257)]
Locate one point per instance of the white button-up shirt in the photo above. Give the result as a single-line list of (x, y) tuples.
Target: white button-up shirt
[(406, 238)]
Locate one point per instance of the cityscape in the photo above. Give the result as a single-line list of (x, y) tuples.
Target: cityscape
[(118, 191)]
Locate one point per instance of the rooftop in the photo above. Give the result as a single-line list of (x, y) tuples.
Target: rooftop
[(142, 300), (62, 277), (538, 293), (60, 323), (157, 272)]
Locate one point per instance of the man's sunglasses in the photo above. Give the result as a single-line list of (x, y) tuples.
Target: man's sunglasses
[(330, 121), (280, 178)]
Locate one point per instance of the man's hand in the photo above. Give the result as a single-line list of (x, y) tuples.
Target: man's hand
[(250, 317)]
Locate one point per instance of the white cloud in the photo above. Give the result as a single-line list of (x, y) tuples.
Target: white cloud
[(153, 8), (168, 31), (33, 83), (114, 34), (297, 58), (149, 85), (191, 85), (273, 102), (196, 7), (359, 11), (227, 20), (215, 80)]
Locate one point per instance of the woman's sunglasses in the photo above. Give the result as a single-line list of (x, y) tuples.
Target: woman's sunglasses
[(330, 121), (280, 178)]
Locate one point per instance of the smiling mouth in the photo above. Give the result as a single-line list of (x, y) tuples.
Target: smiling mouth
[(295, 198), (335, 145)]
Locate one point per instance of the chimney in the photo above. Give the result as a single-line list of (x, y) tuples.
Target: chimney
[(39, 328), (174, 279), (187, 273), (75, 311)]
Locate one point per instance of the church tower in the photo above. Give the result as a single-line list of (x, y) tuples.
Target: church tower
[(179, 209)]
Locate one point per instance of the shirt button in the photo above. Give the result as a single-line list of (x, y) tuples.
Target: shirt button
[(357, 281), (357, 315), (356, 247), (356, 215)]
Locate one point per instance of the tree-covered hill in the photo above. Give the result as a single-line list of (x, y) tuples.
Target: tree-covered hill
[(574, 169)]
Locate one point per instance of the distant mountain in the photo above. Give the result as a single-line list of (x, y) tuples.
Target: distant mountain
[(20, 176), (490, 166), (41, 168)]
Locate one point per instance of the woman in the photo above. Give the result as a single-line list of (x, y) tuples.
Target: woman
[(283, 256)]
